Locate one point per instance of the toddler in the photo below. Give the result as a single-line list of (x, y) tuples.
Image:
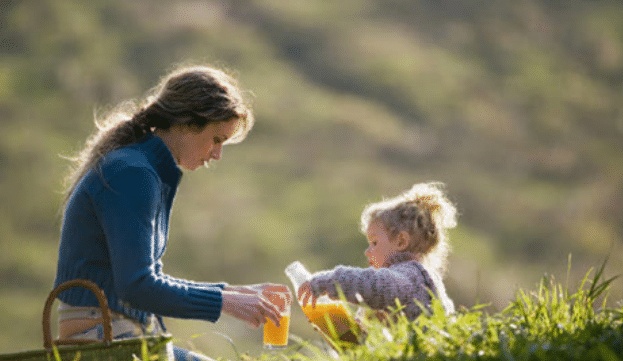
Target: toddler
[(407, 252)]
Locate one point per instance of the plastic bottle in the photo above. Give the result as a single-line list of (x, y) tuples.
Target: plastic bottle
[(335, 310), (298, 274)]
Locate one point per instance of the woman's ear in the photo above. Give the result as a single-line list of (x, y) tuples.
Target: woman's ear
[(403, 240)]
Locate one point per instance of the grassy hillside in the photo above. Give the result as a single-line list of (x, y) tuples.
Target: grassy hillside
[(516, 106)]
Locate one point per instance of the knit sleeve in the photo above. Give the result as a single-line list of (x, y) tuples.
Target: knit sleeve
[(127, 208), (192, 283), (378, 288)]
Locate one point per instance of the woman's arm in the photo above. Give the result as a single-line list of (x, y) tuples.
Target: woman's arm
[(192, 283), (127, 208)]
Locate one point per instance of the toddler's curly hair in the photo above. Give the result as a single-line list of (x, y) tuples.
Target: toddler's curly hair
[(425, 213)]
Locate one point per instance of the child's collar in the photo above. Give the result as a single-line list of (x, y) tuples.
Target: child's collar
[(400, 257)]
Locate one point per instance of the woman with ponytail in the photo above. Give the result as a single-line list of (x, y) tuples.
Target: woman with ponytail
[(118, 202)]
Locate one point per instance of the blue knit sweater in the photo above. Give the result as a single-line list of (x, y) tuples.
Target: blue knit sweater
[(115, 231)]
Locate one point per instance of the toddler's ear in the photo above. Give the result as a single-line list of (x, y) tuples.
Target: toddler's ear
[(402, 240)]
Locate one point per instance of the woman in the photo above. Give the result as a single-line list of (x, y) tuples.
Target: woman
[(119, 198)]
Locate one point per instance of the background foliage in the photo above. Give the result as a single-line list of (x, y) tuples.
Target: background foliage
[(516, 106)]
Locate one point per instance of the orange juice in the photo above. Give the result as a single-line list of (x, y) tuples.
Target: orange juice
[(336, 313), (276, 336)]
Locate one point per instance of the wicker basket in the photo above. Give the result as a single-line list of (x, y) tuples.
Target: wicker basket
[(144, 348)]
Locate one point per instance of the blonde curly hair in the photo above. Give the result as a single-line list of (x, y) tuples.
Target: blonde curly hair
[(425, 213)]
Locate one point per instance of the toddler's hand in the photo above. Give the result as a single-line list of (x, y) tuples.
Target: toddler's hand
[(305, 294)]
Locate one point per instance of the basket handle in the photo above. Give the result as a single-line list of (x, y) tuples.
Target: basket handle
[(103, 304)]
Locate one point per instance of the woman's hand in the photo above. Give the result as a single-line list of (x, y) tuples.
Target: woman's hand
[(250, 304), (250, 307), (306, 294)]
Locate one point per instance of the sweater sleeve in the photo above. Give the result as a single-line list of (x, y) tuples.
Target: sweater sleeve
[(127, 208), (378, 288), (191, 283)]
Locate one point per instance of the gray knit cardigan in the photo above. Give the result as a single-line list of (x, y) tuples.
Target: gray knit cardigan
[(401, 277)]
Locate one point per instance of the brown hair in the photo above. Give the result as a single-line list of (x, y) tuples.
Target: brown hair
[(189, 96), (425, 213)]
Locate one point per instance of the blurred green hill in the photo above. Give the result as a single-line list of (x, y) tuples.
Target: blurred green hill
[(516, 106)]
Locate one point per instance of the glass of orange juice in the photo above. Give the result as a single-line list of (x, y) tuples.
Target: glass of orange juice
[(276, 337)]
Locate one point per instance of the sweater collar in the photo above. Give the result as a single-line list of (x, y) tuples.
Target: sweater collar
[(399, 257), (161, 158)]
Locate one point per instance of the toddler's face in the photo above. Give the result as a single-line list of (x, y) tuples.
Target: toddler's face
[(380, 245)]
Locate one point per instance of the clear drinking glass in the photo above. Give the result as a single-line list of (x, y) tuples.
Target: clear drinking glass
[(276, 337)]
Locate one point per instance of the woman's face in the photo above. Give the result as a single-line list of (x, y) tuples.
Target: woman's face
[(199, 148), (380, 245)]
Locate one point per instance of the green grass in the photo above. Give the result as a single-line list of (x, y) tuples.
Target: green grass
[(548, 323)]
